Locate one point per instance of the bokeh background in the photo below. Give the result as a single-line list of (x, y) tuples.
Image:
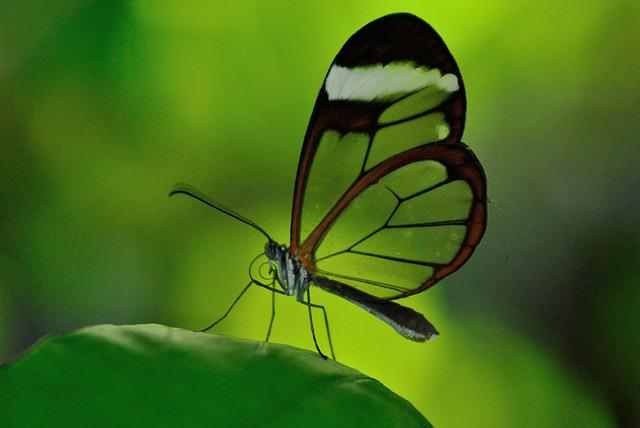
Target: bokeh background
[(105, 105)]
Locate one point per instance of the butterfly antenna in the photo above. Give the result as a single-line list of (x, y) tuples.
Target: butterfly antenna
[(185, 189)]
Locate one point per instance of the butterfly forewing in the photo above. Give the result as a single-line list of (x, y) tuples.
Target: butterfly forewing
[(386, 199), (393, 85)]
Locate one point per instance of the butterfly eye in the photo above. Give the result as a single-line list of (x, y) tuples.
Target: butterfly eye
[(270, 250)]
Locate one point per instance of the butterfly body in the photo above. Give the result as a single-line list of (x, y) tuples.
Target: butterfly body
[(292, 276)]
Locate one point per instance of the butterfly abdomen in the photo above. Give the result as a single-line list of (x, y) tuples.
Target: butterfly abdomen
[(406, 321)]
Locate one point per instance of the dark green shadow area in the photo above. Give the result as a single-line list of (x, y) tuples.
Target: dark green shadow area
[(152, 375)]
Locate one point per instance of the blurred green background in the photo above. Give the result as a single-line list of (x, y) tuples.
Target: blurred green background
[(105, 105)]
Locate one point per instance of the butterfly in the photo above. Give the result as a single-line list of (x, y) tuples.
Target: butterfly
[(387, 199)]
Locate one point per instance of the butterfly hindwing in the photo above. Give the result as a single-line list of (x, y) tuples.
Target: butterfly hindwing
[(417, 219)]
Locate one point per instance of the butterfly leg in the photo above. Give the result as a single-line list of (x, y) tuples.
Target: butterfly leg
[(271, 287), (273, 301), (213, 324), (273, 312), (313, 331), (326, 324)]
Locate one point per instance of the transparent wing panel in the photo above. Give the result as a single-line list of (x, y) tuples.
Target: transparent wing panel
[(415, 177), (380, 277), (336, 166), (451, 201), (368, 212), (403, 136), (434, 244)]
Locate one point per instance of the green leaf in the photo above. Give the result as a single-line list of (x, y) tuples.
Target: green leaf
[(152, 375)]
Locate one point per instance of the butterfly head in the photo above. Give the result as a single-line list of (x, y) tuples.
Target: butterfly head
[(272, 250)]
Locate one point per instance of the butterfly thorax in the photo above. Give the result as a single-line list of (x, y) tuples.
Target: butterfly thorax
[(292, 276)]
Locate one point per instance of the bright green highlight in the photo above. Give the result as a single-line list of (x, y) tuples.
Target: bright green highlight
[(415, 177), (451, 201), (335, 167), (426, 244), (367, 212), (152, 375), (430, 97), (394, 139), (399, 274)]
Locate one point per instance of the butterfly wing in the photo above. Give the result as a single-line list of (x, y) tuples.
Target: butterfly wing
[(396, 70), (387, 200), (405, 224)]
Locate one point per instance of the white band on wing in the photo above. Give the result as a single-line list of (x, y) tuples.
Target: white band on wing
[(384, 82)]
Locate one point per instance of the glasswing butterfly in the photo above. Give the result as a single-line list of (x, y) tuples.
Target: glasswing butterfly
[(388, 200)]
